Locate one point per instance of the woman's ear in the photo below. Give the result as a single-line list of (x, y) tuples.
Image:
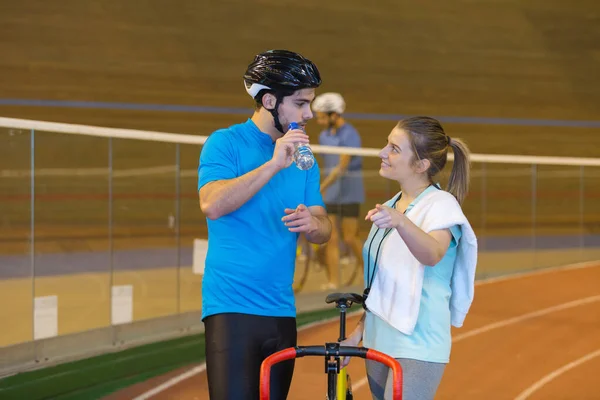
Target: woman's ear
[(268, 101), (423, 165)]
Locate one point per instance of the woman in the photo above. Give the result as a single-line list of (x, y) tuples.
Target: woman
[(420, 260)]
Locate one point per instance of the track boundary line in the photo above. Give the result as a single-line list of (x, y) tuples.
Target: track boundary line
[(589, 264), (555, 374), (506, 322)]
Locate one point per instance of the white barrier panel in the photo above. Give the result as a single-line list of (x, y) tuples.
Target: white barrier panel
[(45, 317), (122, 304), (200, 250)]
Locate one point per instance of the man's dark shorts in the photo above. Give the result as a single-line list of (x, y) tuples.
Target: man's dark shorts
[(350, 210)]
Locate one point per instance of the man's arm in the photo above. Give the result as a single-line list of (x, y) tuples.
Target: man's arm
[(222, 197), (322, 233), (338, 171)]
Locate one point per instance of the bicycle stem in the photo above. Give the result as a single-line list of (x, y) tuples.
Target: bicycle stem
[(342, 322)]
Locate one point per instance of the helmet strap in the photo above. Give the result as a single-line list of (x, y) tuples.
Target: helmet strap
[(279, 99)]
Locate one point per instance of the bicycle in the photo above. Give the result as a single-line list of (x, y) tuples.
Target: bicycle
[(306, 255), (338, 380), (311, 255)]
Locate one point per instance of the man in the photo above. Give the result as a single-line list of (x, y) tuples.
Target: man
[(257, 203), (343, 185)]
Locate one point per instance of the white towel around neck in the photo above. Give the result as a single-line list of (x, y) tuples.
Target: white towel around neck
[(395, 295)]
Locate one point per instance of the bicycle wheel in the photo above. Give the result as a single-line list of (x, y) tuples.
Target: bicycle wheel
[(318, 256), (347, 281), (302, 267), (349, 395)]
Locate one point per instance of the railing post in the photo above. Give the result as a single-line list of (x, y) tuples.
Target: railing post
[(32, 227), (533, 212), (111, 273), (581, 213), (178, 221), (483, 204)]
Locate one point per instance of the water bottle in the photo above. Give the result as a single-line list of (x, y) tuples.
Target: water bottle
[(303, 155)]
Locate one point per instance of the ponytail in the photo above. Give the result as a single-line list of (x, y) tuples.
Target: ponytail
[(458, 184)]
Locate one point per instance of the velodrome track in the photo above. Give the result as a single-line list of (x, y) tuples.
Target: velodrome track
[(529, 336)]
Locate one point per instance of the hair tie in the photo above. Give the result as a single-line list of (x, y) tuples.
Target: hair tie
[(448, 139)]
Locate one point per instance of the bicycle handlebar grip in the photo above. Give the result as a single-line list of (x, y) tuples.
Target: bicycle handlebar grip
[(265, 370), (396, 370)]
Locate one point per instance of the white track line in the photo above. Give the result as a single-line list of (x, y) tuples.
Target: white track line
[(360, 383), (541, 271), (171, 382), (202, 367), (524, 317), (510, 321), (550, 377)]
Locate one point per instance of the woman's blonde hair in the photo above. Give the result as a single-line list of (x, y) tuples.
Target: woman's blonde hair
[(430, 142)]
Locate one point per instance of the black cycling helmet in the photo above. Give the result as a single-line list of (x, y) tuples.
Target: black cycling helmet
[(281, 72)]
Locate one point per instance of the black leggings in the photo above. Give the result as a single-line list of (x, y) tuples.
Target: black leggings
[(237, 344)]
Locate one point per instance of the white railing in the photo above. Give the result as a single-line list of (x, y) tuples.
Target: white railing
[(14, 123)]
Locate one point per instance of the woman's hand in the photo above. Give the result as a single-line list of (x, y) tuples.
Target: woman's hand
[(353, 340), (385, 217)]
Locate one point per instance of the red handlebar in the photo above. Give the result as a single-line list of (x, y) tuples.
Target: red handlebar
[(293, 352), (265, 369), (394, 365)]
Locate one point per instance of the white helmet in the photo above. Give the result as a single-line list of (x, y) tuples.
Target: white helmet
[(329, 102)]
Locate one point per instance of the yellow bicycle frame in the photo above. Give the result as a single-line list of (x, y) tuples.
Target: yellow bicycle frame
[(342, 384)]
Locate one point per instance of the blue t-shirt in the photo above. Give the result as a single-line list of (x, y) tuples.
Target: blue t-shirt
[(250, 262), (349, 187), (431, 339)]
